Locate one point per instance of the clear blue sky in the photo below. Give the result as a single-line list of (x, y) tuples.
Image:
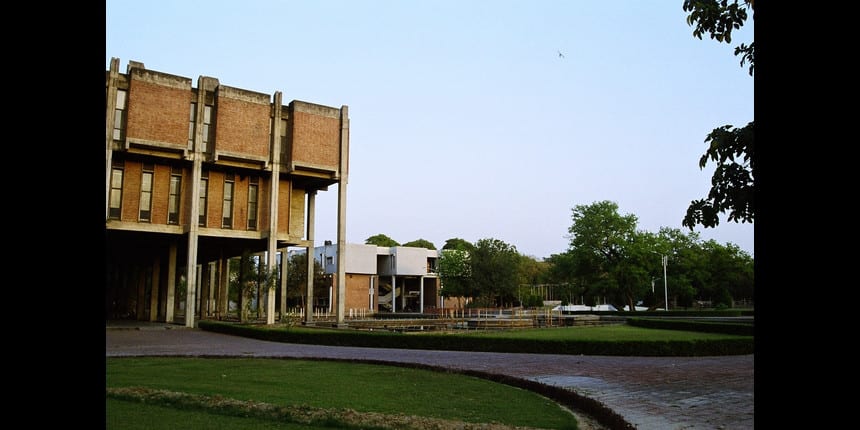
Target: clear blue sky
[(464, 120)]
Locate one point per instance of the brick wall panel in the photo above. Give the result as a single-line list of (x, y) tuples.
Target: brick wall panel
[(297, 213), (185, 199), (160, 194), (240, 203), (186, 193), (158, 113), (216, 199), (131, 191), (263, 204), (316, 140), (284, 203), (242, 126), (357, 289)]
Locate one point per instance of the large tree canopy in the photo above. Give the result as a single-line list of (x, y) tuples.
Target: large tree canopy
[(488, 271), (381, 240), (495, 271), (731, 148), (609, 258), (421, 243), (455, 273), (458, 244), (608, 252)]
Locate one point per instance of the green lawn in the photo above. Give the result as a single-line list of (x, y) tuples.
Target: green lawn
[(321, 384), (128, 415)]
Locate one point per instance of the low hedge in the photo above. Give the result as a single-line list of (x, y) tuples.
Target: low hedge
[(736, 328), (448, 342)]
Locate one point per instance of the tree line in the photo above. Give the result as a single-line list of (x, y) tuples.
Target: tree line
[(608, 260)]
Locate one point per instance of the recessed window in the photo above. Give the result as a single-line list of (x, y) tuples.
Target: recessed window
[(207, 127), (119, 115), (146, 193), (253, 192), (204, 185), (192, 124), (175, 192), (115, 198), (227, 207), (283, 137)]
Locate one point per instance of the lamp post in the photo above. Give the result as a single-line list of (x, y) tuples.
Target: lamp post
[(665, 260)]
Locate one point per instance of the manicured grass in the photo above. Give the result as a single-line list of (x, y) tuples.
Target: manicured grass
[(328, 384), (126, 415), (608, 333)]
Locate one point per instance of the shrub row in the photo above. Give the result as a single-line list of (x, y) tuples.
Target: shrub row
[(448, 342), (741, 329)]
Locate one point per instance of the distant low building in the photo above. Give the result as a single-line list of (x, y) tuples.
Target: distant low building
[(385, 279)]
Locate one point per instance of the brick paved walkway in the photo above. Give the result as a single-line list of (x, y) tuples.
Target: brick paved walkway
[(649, 392)]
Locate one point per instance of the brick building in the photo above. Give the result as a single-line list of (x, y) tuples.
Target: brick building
[(196, 175)]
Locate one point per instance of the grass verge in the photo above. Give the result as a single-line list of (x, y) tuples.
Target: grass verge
[(277, 389)]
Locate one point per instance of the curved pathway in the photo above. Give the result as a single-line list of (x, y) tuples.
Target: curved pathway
[(649, 392)]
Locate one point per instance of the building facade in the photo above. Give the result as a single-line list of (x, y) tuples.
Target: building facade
[(386, 279), (196, 175)]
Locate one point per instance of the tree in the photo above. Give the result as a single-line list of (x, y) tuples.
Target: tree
[(458, 244), (732, 149), (531, 272), (608, 253), (731, 274), (562, 271), (381, 240), (495, 271), (688, 273), (297, 279), (420, 243), (455, 273)]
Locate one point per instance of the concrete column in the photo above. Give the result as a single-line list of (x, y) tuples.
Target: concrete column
[(403, 296), (109, 114), (275, 162), (260, 292), (201, 292), (191, 261), (210, 300), (309, 306), (370, 292), (421, 296), (223, 287), (156, 284), (284, 265), (341, 212), (196, 156), (393, 294), (171, 284)]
